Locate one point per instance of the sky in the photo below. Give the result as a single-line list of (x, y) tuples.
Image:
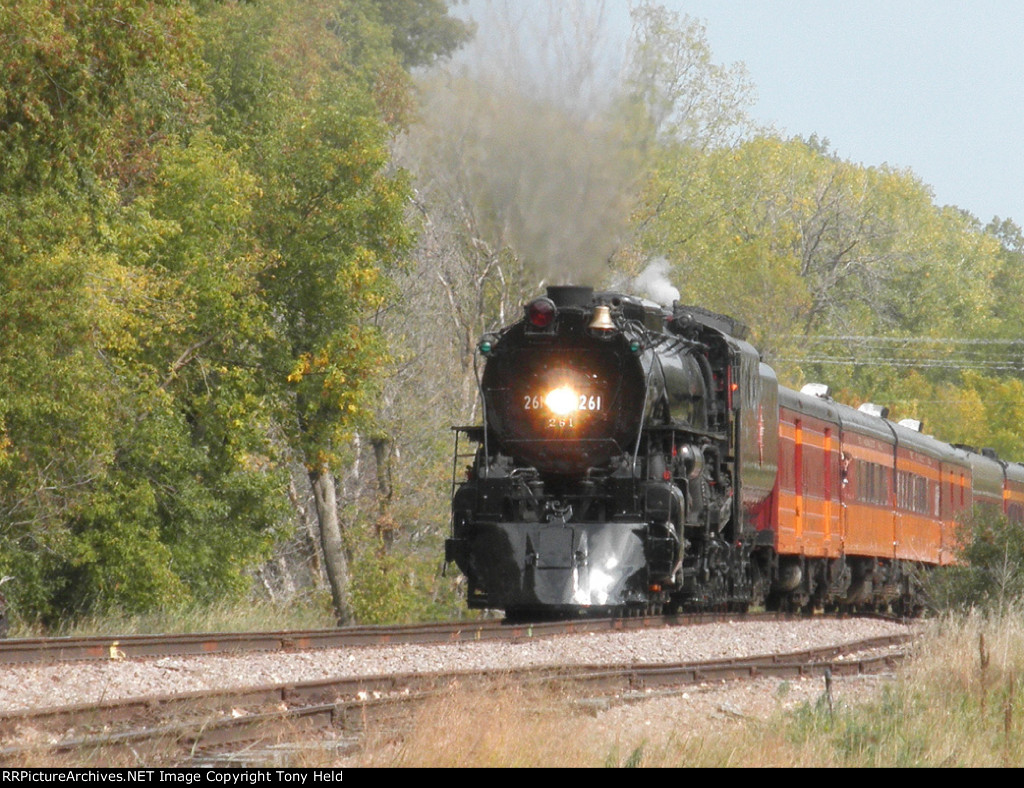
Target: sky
[(936, 86)]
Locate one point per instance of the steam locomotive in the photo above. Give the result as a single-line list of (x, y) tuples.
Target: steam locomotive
[(634, 458)]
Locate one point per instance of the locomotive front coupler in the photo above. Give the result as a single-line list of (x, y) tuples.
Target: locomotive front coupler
[(554, 510)]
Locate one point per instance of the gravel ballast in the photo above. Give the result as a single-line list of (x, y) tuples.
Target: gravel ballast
[(40, 686)]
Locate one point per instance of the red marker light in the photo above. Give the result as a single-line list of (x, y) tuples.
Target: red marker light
[(541, 312)]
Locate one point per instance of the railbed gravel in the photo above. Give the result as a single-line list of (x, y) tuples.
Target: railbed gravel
[(41, 686)]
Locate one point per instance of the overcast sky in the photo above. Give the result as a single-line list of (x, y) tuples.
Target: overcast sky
[(933, 85)]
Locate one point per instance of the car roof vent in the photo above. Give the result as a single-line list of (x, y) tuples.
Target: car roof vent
[(817, 390), (878, 411)]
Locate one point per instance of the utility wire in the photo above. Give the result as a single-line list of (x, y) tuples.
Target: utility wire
[(999, 365), (900, 340)]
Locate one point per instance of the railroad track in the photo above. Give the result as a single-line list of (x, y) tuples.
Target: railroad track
[(114, 647), (190, 729)]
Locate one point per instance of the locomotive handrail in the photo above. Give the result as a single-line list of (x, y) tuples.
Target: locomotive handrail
[(483, 401), (682, 427)]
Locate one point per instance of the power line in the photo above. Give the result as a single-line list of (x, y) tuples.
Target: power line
[(900, 340), (995, 366)]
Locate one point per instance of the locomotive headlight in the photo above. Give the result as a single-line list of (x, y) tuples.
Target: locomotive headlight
[(562, 401)]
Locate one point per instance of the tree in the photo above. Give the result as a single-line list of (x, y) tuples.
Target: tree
[(683, 96), (990, 572), (799, 243), (300, 91), (129, 314), (194, 255), (422, 32)]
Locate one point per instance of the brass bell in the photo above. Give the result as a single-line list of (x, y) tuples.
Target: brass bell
[(602, 320)]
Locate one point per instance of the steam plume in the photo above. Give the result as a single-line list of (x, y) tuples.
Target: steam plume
[(653, 282), (531, 143)]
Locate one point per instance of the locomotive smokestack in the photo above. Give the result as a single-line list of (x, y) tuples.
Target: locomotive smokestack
[(571, 295)]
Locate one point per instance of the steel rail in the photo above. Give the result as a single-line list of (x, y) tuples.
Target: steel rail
[(115, 647), (154, 726)]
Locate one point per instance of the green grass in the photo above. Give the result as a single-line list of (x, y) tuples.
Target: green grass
[(314, 612)]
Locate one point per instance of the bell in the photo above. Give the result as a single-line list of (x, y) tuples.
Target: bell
[(602, 320)]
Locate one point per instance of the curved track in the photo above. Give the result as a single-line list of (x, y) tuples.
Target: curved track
[(114, 647), (188, 729)]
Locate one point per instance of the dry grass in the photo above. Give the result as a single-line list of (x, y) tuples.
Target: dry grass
[(959, 702), (503, 726)]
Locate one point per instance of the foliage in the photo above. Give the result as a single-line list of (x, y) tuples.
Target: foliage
[(990, 572), (329, 217), (683, 97), (397, 586), (87, 84), (422, 31), (847, 275), (196, 221), (102, 313)]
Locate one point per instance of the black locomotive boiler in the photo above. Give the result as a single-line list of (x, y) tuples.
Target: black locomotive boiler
[(623, 453)]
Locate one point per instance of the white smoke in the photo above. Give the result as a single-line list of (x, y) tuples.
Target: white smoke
[(653, 282)]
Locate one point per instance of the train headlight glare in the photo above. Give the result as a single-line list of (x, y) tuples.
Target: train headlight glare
[(562, 401)]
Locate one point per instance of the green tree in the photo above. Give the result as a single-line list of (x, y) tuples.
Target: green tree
[(134, 470), (683, 96), (422, 32), (136, 460), (800, 243), (990, 570), (194, 253), (307, 92)]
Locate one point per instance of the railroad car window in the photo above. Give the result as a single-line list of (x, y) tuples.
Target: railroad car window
[(911, 492), (828, 471), (920, 495), (866, 482), (873, 483)]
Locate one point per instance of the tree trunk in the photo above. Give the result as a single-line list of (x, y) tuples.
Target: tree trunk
[(386, 525), (326, 497)]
